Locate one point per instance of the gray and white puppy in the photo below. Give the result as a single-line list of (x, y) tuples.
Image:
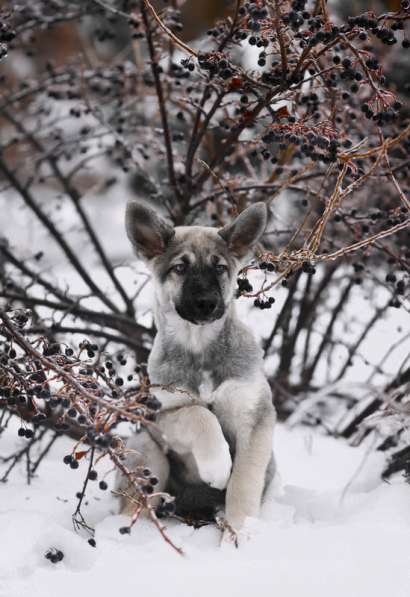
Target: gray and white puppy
[(218, 425)]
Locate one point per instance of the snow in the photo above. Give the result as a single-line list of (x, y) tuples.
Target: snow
[(329, 525)]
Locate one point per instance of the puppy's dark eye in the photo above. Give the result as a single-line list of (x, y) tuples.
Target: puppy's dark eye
[(220, 269), (179, 268)]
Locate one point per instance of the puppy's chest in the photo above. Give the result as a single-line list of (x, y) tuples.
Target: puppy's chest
[(206, 387), (208, 375), (203, 374)]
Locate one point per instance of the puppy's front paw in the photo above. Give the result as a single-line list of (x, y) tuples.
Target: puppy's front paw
[(229, 540), (215, 469), (233, 537), (250, 528)]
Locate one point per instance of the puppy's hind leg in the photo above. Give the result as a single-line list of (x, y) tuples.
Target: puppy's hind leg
[(144, 453)]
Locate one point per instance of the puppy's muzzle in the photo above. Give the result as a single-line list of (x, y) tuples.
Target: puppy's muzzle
[(202, 308), (205, 306)]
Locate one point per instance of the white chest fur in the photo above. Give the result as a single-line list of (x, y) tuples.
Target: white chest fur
[(206, 388)]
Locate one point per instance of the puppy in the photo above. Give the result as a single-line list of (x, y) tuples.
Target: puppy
[(218, 425)]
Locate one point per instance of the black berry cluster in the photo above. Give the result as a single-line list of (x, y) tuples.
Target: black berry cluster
[(267, 266), (261, 303), (308, 268), (243, 286), (54, 555), (310, 142), (216, 65)]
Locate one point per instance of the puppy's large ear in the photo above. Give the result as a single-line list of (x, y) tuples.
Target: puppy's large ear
[(148, 232), (245, 231)]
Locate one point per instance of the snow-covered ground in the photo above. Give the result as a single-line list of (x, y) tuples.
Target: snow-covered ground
[(321, 533)]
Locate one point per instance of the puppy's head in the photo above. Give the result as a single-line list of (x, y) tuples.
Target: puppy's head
[(194, 267)]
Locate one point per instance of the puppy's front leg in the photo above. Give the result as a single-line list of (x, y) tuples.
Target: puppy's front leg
[(247, 482), (249, 417)]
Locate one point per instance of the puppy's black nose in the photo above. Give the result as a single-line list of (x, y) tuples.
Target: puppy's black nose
[(205, 306)]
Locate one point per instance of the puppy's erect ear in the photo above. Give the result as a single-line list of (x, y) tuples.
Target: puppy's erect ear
[(245, 231), (147, 231)]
